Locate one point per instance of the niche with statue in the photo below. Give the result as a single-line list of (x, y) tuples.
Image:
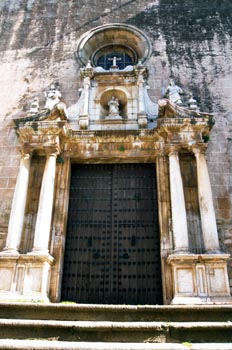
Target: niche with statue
[(113, 105)]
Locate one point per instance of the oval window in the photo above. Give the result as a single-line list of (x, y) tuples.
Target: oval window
[(110, 59)]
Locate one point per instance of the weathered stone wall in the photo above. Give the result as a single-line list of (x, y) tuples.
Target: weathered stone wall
[(192, 42)]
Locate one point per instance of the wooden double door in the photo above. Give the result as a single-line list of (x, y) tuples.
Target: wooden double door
[(112, 253)]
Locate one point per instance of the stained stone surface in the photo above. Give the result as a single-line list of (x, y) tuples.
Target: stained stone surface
[(191, 42)]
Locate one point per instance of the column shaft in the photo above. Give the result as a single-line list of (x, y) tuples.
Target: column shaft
[(86, 101), (15, 227), (179, 219), (140, 84), (44, 215), (208, 219)]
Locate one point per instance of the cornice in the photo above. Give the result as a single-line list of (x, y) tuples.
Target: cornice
[(168, 110)]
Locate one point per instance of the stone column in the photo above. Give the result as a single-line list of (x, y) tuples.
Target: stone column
[(84, 117), (208, 219), (15, 227), (86, 85), (142, 116), (179, 219), (140, 84), (44, 215)]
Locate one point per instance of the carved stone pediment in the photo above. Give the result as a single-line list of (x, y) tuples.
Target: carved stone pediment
[(182, 125), (58, 113), (167, 109), (38, 134)]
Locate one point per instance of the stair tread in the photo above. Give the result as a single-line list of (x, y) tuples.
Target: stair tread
[(116, 313), (114, 325), (63, 345), (165, 308)]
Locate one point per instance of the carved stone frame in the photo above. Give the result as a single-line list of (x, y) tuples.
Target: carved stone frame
[(177, 128)]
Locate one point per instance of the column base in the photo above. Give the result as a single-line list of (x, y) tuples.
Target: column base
[(182, 251), (180, 300), (213, 251), (9, 252), (39, 252), (25, 277), (200, 278), (19, 298)]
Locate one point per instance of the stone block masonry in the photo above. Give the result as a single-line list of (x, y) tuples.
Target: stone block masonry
[(191, 42)]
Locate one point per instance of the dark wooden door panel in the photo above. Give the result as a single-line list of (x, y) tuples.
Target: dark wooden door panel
[(112, 250)]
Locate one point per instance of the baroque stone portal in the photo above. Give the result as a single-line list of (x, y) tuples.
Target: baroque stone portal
[(111, 124)]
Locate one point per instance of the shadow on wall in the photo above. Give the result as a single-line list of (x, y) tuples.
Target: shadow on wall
[(187, 21), (189, 29)]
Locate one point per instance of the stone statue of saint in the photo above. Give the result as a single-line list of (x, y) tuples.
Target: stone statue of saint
[(113, 107), (34, 109), (173, 93), (53, 96)]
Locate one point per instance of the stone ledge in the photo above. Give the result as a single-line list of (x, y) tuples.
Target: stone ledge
[(73, 311), (107, 331), (9, 344), (31, 257), (198, 257), (110, 325)]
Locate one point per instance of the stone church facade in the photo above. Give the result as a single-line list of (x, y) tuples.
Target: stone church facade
[(117, 195)]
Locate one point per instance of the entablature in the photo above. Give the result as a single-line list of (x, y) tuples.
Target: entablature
[(121, 144)]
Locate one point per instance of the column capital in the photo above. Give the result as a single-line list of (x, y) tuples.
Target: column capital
[(52, 150), (173, 150), (26, 151), (199, 149), (162, 154)]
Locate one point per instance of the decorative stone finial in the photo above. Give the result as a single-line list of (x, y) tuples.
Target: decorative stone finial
[(34, 109), (88, 71), (192, 103), (89, 65)]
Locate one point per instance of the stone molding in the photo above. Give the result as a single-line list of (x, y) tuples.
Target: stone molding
[(122, 34)]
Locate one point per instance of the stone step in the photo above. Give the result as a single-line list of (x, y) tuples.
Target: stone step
[(9, 344), (108, 331), (122, 313)]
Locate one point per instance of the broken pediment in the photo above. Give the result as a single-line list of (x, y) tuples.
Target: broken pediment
[(126, 87)]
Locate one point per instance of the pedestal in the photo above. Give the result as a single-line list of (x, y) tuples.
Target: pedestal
[(83, 122), (142, 120), (200, 279), (25, 277)]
